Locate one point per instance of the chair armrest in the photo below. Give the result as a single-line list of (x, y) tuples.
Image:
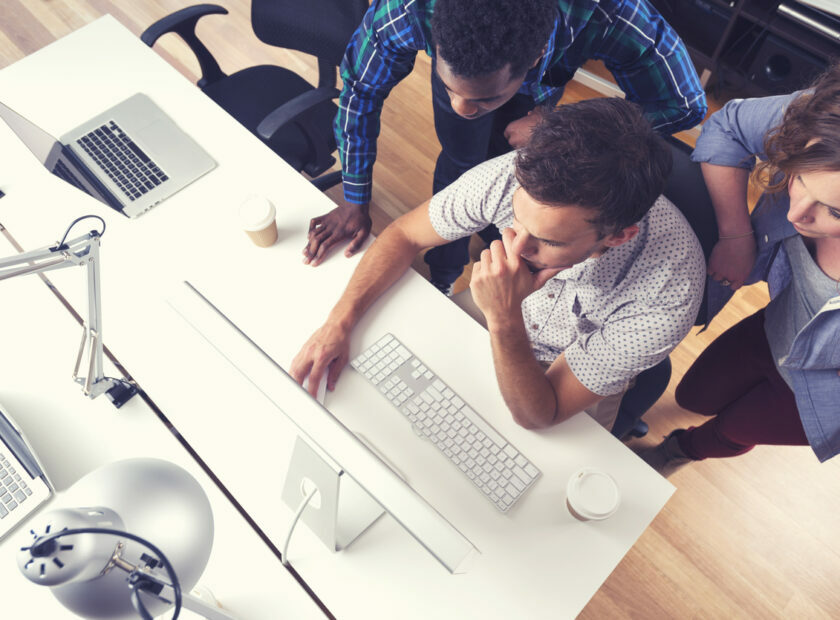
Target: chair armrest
[(183, 24), (293, 108), (291, 112)]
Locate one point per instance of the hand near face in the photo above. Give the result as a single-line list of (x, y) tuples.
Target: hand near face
[(502, 280), (519, 131)]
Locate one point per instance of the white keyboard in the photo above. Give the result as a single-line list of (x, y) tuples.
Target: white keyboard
[(436, 413)]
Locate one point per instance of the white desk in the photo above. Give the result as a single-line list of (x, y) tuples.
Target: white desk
[(536, 562), (74, 435)]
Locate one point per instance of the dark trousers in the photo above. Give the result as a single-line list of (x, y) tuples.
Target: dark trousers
[(464, 144), (736, 381)]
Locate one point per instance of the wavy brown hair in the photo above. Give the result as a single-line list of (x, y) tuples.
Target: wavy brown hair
[(807, 139), (601, 154)]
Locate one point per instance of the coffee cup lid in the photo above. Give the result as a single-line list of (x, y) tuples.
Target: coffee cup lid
[(256, 213), (593, 494)]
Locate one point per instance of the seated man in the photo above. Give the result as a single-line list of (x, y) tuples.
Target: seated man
[(597, 277)]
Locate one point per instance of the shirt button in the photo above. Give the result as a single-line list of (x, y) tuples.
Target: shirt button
[(551, 295), (535, 326), (766, 238)]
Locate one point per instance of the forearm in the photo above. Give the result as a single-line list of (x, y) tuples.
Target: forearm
[(728, 191), (527, 391), (380, 54), (384, 262)]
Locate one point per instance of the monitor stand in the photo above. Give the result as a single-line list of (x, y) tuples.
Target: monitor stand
[(341, 510)]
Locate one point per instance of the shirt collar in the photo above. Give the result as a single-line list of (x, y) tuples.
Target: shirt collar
[(577, 272)]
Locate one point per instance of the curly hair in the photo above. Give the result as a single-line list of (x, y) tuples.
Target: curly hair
[(601, 154), (477, 37), (807, 139)]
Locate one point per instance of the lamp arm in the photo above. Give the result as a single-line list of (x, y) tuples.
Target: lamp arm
[(83, 250), (50, 258)]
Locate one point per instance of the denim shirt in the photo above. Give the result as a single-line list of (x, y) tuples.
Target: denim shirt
[(734, 136)]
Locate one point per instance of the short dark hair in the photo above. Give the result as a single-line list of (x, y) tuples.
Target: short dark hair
[(600, 154), (477, 37)]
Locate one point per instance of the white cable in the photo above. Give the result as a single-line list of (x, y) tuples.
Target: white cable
[(284, 557)]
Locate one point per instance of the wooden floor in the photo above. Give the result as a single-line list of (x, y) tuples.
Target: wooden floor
[(753, 537)]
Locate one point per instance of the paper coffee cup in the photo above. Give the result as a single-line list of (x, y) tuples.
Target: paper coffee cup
[(592, 495), (256, 216)]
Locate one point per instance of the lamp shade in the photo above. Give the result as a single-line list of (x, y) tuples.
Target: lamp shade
[(151, 498)]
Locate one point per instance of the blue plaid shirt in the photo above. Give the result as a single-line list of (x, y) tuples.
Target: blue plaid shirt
[(647, 58)]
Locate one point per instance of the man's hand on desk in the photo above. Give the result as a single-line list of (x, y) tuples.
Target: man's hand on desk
[(346, 221), (326, 351)]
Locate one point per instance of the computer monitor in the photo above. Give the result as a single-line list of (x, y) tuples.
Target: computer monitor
[(361, 479)]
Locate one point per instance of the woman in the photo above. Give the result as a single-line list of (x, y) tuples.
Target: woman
[(773, 377)]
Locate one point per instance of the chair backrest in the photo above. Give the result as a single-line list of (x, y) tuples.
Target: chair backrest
[(687, 190), (321, 28)]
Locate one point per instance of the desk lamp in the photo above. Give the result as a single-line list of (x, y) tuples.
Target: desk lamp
[(126, 504), (82, 251)]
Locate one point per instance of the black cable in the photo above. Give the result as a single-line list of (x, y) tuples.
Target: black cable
[(136, 602), (61, 245), (176, 585), (138, 605)]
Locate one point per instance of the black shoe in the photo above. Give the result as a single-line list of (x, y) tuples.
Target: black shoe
[(667, 457), (443, 287)]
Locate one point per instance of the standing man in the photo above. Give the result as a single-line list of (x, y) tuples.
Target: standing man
[(596, 278), (496, 66)]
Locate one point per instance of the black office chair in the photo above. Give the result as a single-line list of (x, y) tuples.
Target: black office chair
[(284, 110), (687, 190)]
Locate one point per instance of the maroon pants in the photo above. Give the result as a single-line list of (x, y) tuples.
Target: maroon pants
[(736, 381)]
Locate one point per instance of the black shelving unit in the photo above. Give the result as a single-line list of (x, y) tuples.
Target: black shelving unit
[(750, 47)]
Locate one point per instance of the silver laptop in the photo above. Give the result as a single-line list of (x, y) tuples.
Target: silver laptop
[(130, 157), (24, 486)]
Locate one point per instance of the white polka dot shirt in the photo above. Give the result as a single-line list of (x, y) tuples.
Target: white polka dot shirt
[(613, 316)]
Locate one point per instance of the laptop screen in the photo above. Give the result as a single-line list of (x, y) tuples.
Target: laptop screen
[(36, 139), (55, 157)]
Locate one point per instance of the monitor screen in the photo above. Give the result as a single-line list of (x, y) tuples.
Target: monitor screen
[(339, 448)]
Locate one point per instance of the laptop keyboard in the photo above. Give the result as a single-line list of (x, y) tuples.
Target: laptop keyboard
[(13, 489), (438, 414), (134, 172)]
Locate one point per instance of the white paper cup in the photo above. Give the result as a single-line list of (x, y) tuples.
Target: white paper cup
[(256, 215), (592, 495)]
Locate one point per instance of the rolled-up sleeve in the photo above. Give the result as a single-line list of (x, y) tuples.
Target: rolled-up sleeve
[(479, 197), (734, 135)]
